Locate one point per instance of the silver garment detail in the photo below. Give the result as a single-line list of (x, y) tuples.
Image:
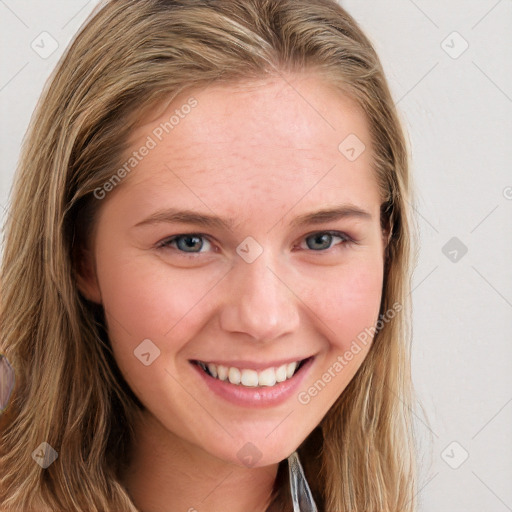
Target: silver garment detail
[(301, 494)]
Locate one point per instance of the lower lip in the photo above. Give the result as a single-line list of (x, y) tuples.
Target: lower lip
[(264, 396)]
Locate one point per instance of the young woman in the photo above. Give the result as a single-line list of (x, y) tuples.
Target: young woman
[(206, 269)]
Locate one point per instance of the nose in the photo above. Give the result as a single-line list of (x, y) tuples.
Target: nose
[(261, 303)]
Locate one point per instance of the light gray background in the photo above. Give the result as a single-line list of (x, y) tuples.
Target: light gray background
[(458, 112)]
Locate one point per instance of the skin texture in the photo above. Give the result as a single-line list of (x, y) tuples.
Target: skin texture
[(263, 154)]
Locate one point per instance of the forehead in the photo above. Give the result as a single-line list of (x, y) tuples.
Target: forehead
[(283, 140)]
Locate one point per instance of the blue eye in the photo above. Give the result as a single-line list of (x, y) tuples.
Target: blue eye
[(192, 243), (323, 239), (185, 242)]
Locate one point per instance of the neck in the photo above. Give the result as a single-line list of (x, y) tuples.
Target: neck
[(168, 474)]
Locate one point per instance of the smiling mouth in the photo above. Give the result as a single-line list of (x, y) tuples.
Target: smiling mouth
[(251, 378)]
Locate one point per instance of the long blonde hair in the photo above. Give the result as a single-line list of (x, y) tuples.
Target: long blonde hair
[(69, 393)]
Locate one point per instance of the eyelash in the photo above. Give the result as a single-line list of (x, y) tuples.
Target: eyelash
[(166, 243)]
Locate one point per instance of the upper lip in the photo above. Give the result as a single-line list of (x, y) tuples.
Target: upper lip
[(252, 365)]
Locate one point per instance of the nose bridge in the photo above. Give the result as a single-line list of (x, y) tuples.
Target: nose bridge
[(261, 304)]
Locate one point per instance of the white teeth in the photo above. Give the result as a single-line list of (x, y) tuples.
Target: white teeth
[(267, 377), (234, 375), (222, 372), (251, 378), (281, 373), (212, 369), (290, 369)]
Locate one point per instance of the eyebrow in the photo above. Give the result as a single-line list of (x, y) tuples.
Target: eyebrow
[(170, 215)]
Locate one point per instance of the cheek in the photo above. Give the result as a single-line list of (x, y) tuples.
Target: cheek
[(147, 300), (348, 302)]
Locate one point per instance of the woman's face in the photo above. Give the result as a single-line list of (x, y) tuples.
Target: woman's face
[(213, 248)]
